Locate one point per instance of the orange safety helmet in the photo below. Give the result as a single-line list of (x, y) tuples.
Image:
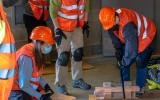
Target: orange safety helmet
[(107, 17), (42, 33)]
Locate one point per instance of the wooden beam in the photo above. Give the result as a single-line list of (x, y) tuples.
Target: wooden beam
[(117, 89), (57, 96), (92, 97)]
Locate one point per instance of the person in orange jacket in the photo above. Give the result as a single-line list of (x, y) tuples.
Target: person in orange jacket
[(36, 13), (28, 82), (70, 18), (7, 52), (132, 35)]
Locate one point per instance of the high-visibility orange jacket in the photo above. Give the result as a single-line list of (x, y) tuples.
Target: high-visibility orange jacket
[(40, 8), (7, 59), (27, 50), (71, 14), (145, 27)]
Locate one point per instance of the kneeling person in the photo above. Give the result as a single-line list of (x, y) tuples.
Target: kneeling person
[(27, 80)]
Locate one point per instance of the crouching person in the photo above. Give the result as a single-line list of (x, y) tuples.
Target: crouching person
[(28, 82)]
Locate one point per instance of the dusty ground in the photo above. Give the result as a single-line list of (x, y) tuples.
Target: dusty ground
[(104, 70)]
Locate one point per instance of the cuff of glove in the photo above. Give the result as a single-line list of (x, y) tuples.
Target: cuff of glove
[(46, 87), (57, 30)]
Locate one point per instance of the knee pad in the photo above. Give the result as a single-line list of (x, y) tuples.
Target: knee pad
[(63, 59), (78, 54)]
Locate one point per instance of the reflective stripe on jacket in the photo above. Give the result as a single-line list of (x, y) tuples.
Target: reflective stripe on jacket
[(40, 8), (71, 14), (7, 50)]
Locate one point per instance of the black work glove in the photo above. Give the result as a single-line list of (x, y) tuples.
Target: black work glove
[(118, 55), (85, 29), (58, 37), (120, 65), (47, 88), (46, 96)]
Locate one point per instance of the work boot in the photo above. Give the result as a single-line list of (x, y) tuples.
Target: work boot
[(62, 89), (81, 84), (141, 92)]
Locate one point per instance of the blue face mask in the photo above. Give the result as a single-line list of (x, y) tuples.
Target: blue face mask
[(46, 48)]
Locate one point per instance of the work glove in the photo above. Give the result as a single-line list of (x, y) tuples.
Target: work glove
[(58, 37), (85, 29), (46, 96), (120, 65), (118, 55), (47, 88)]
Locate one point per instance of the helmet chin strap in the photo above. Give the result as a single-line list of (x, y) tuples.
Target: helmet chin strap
[(116, 20)]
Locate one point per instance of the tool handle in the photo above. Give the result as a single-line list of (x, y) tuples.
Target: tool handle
[(122, 81)]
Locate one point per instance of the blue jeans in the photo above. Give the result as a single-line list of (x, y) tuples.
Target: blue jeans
[(141, 69)]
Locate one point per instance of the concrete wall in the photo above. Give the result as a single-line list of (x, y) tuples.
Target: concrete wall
[(18, 30), (157, 21), (92, 45), (147, 7), (98, 43)]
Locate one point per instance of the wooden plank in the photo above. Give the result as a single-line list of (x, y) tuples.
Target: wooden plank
[(117, 89), (107, 95), (114, 91), (57, 96), (109, 84), (134, 95), (128, 95), (127, 83), (92, 97), (106, 84)]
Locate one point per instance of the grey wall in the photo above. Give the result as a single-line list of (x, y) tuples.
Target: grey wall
[(147, 7), (98, 43), (157, 21), (93, 45), (18, 30)]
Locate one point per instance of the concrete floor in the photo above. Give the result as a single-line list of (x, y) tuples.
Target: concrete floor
[(104, 70)]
